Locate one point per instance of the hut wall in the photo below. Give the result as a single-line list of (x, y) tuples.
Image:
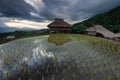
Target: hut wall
[(58, 29), (93, 33), (117, 39)]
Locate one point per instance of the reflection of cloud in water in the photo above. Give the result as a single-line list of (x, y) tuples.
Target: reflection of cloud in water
[(37, 41), (30, 53), (25, 59), (39, 52)]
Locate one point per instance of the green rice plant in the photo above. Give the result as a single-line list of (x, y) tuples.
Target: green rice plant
[(56, 70), (53, 77), (117, 76), (24, 70), (69, 67), (29, 73), (47, 70), (95, 72), (74, 77), (54, 65), (37, 72), (14, 58), (92, 78), (109, 77), (43, 77), (64, 70), (101, 70), (30, 79), (106, 69), (8, 74), (48, 66), (43, 67), (59, 39), (104, 78), (81, 72), (19, 78), (7, 62)]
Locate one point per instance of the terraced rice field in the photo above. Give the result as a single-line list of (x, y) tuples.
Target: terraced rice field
[(60, 57)]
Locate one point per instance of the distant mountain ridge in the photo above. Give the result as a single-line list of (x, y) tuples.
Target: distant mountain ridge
[(110, 20), (7, 29), (10, 29)]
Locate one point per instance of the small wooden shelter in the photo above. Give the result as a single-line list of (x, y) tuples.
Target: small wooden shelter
[(59, 25), (99, 30), (118, 38), (10, 37)]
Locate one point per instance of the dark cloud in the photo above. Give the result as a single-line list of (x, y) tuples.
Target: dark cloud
[(76, 9), (15, 8), (73, 10)]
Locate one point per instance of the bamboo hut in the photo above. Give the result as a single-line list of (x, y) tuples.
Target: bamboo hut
[(118, 38), (99, 30), (59, 25)]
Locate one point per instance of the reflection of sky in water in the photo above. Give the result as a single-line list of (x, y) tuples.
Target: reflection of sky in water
[(29, 51), (26, 51)]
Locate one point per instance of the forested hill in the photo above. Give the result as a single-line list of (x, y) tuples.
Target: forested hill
[(110, 20)]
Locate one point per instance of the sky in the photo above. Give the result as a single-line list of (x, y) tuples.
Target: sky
[(37, 14)]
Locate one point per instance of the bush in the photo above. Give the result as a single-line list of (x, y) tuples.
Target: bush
[(78, 28)]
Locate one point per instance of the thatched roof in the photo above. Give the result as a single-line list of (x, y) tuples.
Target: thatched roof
[(59, 23), (100, 29), (118, 33)]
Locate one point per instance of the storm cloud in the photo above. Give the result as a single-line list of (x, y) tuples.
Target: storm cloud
[(15, 8), (72, 10), (76, 10)]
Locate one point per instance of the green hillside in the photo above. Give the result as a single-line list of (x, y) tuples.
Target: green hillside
[(110, 20)]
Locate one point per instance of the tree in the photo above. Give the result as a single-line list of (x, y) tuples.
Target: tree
[(78, 28)]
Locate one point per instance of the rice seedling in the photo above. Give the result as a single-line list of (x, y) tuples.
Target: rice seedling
[(74, 57), (59, 39)]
